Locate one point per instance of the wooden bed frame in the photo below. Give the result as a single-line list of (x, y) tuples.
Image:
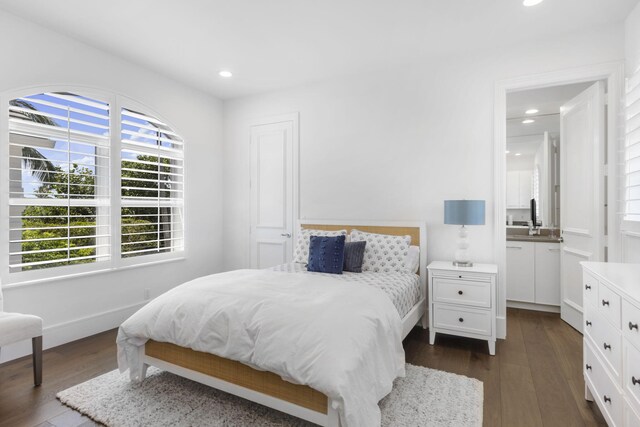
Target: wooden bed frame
[(267, 388)]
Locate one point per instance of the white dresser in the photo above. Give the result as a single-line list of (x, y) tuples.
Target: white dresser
[(612, 341), (462, 301)]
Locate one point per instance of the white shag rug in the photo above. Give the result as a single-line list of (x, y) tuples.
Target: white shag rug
[(425, 397)]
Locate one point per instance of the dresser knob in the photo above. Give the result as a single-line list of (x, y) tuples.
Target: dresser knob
[(588, 367), (588, 323), (459, 277), (607, 346), (607, 399), (634, 381), (461, 320), (605, 302), (587, 287), (460, 292), (633, 326)]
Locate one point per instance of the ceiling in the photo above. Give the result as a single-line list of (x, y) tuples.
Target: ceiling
[(523, 140), (547, 101), (273, 44)]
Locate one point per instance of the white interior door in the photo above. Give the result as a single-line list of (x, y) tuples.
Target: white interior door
[(582, 129), (272, 192)]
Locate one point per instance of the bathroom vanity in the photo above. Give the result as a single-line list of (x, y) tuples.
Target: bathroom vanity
[(533, 269)]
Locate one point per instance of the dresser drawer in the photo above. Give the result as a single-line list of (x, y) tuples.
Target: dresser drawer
[(632, 373), (631, 417), (457, 291), (460, 319), (604, 390), (590, 288), (591, 365), (609, 304), (631, 322), (605, 338)]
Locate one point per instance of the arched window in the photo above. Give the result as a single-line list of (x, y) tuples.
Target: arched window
[(66, 212)]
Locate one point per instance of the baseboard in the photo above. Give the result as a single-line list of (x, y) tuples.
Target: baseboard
[(62, 333), (532, 306)]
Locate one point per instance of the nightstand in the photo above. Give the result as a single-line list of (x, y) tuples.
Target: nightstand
[(462, 301)]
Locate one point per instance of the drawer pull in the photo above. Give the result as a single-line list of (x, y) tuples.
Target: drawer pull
[(459, 277), (461, 320), (607, 346), (604, 302), (588, 323), (607, 399), (634, 381), (587, 287), (460, 292), (588, 367), (633, 326)]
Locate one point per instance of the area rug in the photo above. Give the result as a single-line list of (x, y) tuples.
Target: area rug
[(425, 397)]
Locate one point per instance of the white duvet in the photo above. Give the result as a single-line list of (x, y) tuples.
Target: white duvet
[(344, 341)]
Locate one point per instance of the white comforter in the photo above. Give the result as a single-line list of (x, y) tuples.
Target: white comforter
[(344, 341)]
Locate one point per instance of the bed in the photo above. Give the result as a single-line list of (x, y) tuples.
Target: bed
[(407, 297)]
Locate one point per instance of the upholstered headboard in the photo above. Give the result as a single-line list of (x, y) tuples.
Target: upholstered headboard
[(417, 231)]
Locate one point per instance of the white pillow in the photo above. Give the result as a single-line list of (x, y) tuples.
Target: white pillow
[(412, 261), (383, 252), (301, 253)]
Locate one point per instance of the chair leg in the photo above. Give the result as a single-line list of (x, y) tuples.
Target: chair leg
[(37, 360)]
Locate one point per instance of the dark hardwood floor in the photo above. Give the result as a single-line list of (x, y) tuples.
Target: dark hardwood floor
[(535, 378)]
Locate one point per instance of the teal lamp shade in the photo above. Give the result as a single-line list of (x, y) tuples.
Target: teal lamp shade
[(464, 212)]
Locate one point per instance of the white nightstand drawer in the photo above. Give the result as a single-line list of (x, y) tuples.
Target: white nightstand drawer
[(631, 322), (609, 304), (605, 338), (461, 319), (590, 289), (457, 291), (632, 373)]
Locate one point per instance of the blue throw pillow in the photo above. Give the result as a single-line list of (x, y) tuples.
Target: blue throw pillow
[(326, 254), (354, 256)]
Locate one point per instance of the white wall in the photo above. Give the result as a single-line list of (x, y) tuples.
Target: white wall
[(630, 236), (394, 144), (74, 308)]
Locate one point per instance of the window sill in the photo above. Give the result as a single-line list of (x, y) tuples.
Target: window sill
[(29, 282)]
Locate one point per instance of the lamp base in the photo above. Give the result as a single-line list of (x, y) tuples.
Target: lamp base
[(462, 263)]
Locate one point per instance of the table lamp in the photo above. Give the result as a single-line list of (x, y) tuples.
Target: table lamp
[(463, 212)]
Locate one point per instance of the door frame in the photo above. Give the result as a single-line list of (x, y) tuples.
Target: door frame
[(267, 120), (613, 73)]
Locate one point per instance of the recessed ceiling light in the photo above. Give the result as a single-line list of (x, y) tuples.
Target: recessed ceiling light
[(225, 73), (508, 151), (527, 121), (531, 111), (517, 154), (531, 2)]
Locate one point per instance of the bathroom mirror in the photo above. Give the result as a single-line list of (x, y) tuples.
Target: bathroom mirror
[(531, 174)]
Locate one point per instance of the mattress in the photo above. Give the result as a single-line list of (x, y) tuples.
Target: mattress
[(403, 289)]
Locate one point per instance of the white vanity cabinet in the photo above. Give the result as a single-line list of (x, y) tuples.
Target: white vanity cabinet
[(521, 271), (519, 189), (533, 272), (611, 368), (547, 273)]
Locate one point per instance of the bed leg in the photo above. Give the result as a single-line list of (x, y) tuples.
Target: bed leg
[(424, 321), (143, 371), (333, 416)]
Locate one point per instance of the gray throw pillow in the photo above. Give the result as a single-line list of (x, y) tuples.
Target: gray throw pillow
[(354, 256)]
